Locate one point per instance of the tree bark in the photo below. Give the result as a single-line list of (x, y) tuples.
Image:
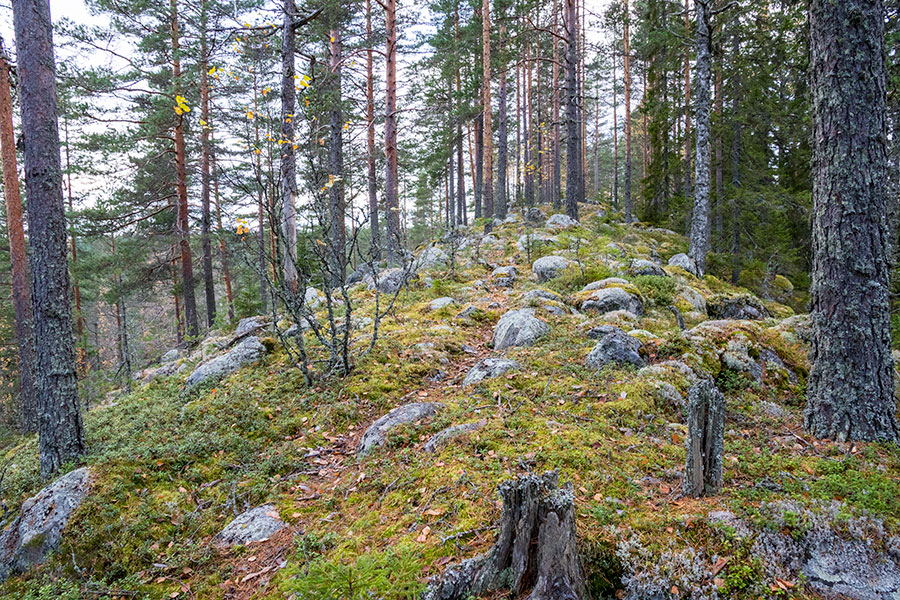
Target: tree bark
[(371, 180), (61, 436), (337, 208), (705, 440), (501, 202), (556, 191), (223, 250), (687, 106), (700, 216), (627, 76), (80, 338), (391, 196), (535, 551), (850, 393), (288, 165), (488, 150), (479, 164), (736, 166), (205, 244), (21, 287), (574, 164), (615, 130)]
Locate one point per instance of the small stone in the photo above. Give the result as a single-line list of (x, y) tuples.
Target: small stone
[(376, 434), (444, 436), (489, 368), (519, 328), (439, 303), (561, 221), (615, 347), (255, 525), (685, 262)]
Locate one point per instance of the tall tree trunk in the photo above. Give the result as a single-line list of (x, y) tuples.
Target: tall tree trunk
[(479, 164), (461, 213), (223, 250), (488, 150), (179, 321), (627, 67), (61, 436), (720, 192), (371, 180), (687, 106), (850, 394), (736, 165), (182, 222), (528, 128), (501, 203), (21, 288), (337, 208), (574, 166), (205, 243), (288, 156), (700, 216), (615, 128), (556, 191), (80, 339), (391, 196)]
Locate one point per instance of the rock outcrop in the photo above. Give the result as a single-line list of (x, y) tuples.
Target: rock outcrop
[(519, 328), (376, 434), (247, 352)]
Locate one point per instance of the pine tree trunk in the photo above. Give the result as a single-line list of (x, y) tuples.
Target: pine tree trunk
[(371, 180), (479, 164), (337, 208), (627, 67), (556, 190), (21, 287), (223, 250), (850, 393), (80, 338), (488, 150), (720, 191), (205, 244), (288, 165), (574, 172), (700, 216), (615, 131), (391, 196), (59, 416), (182, 222), (501, 202), (736, 166)]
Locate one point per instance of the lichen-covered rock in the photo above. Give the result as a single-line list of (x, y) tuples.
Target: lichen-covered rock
[(610, 299), (439, 303), (549, 267), (249, 325), (605, 283), (313, 298), (615, 347), (376, 434), (694, 299), (795, 329), (442, 437), (170, 356), (247, 352), (561, 221), (641, 266), (538, 295), (390, 281), (741, 307), (255, 525), (737, 357), (598, 332), (504, 276), (534, 241), (489, 368), (519, 328), (38, 529), (534, 214), (685, 262), (431, 258)]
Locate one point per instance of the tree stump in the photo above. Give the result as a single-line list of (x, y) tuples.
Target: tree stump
[(535, 549), (705, 440)]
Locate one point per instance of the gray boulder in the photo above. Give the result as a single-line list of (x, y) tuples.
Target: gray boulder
[(248, 326), (600, 331), (376, 434), (249, 351), (534, 241), (519, 328), (444, 436), (255, 525), (542, 295), (549, 267), (390, 281), (313, 298), (489, 368), (685, 262), (641, 266), (534, 214), (604, 283), (615, 347), (561, 221), (38, 529), (504, 276), (431, 258), (170, 356), (742, 306), (615, 298), (439, 303)]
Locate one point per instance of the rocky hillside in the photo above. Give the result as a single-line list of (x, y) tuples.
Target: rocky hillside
[(547, 345)]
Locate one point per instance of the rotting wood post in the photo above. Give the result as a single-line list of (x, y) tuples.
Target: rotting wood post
[(705, 440), (535, 550)]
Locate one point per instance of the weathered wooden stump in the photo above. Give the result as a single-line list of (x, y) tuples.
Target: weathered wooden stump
[(535, 549), (705, 440)]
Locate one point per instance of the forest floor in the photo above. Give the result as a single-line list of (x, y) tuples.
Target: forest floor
[(171, 471)]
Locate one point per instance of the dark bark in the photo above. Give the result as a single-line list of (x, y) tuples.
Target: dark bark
[(205, 179), (59, 415), (391, 198), (615, 128), (288, 166), (627, 77), (556, 191), (736, 168), (850, 393), (700, 230), (182, 222), (705, 440), (80, 338), (479, 164), (336, 207), (501, 201), (371, 181), (574, 164), (535, 550), (487, 151), (223, 250), (21, 287)]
